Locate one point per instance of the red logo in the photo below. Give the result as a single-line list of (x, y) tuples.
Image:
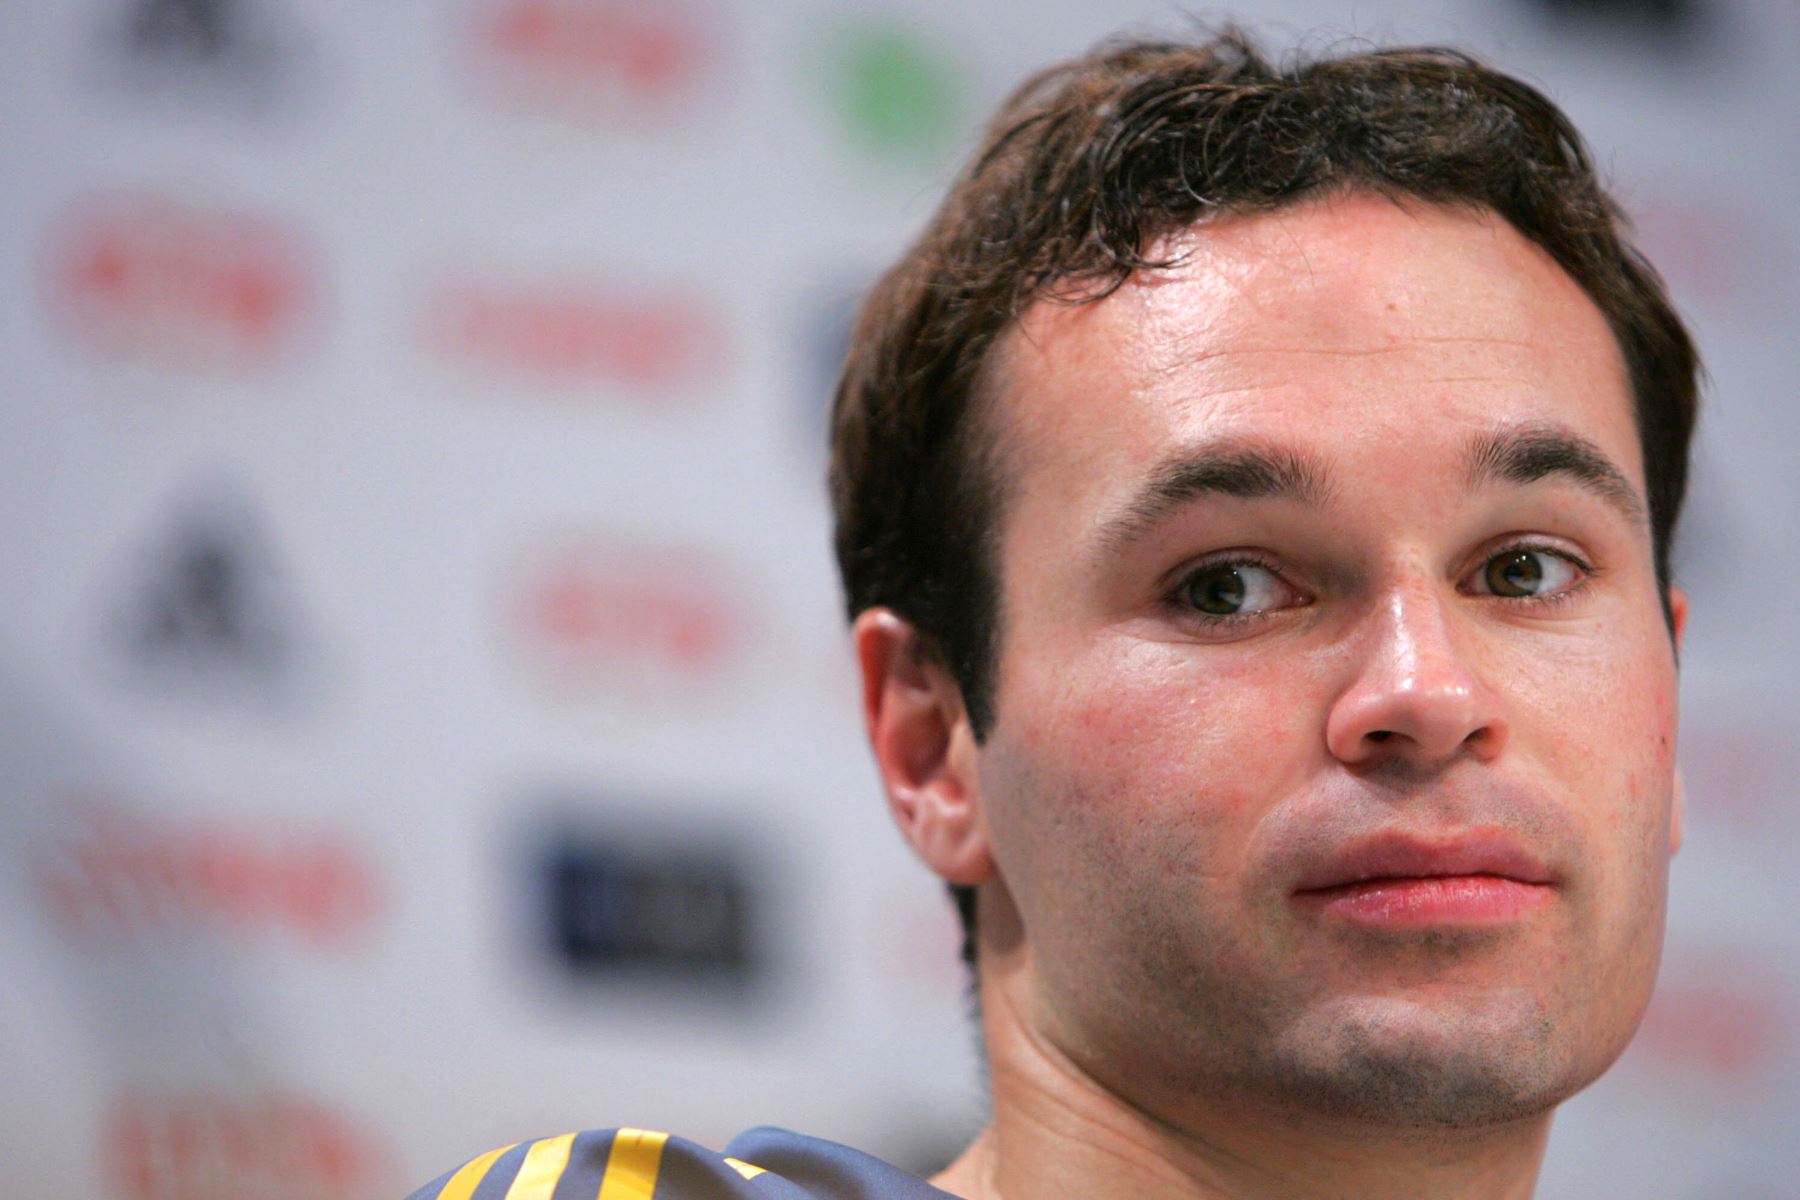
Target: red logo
[(153, 277), (217, 1146), (918, 940), (609, 57), (120, 876), (1723, 1019), (1739, 771), (1712, 247), (573, 334), (595, 614)]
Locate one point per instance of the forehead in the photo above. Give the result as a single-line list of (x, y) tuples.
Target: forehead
[(1353, 324)]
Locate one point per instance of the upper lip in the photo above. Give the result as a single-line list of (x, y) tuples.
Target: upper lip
[(1410, 856)]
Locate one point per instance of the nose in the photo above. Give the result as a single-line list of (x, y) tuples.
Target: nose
[(1414, 695)]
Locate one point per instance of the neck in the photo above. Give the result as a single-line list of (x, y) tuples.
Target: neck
[(1058, 1131)]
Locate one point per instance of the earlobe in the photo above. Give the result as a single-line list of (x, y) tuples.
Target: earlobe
[(923, 746)]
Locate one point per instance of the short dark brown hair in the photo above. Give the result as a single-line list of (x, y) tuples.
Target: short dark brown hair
[(1084, 167)]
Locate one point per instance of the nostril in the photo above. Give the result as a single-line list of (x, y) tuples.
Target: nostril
[(1379, 735)]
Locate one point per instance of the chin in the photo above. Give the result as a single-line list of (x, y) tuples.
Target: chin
[(1404, 1065)]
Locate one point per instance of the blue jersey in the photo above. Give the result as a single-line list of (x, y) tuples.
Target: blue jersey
[(637, 1164)]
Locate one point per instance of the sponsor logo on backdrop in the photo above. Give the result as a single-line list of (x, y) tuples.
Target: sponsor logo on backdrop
[(614, 60), (594, 615), (192, 285), (1740, 772), (111, 876), (1717, 250), (204, 614), (205, 1145), (918, 940), (895, 91), (646, 903), (1669, 23), (652, 343), (1718, 1016), (232, 56)]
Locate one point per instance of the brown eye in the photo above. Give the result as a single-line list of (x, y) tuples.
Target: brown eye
[(1520, 574), (1232, 589), (1217, 591), (1515, 573)]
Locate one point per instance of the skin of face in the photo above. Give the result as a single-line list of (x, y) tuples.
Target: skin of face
[(1159, 782)]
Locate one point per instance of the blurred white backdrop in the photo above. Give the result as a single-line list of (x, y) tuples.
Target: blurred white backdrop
[(417, 583)]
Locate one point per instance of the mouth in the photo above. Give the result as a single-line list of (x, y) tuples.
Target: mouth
[(1392, 881)]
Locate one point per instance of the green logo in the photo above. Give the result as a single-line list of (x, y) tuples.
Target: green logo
[(897, 94)]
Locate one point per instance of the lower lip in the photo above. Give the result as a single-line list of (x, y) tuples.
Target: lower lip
[(1417, 903)]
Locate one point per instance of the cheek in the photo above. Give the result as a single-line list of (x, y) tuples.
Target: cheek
[(1606, 716), (1602, 733), (1155, 747)]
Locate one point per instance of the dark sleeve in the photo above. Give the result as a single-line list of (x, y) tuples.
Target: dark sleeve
[(818, 1168), (609, 1164)]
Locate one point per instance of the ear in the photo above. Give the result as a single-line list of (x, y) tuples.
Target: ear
[(923, 746), (1678, 612)]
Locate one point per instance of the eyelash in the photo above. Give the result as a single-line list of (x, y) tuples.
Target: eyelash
[(1588, 571), (1176, 600)]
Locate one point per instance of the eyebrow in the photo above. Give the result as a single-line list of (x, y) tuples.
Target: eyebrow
[(1534, 452), (1249, 470), (1239, 469)]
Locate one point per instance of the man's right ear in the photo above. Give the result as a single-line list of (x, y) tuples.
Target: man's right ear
[(923, 745)]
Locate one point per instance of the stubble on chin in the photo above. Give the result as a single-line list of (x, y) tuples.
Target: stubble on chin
[(1418, 1064), (1404, 1069)]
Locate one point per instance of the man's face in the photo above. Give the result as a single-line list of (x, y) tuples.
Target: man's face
[(1332, 766)]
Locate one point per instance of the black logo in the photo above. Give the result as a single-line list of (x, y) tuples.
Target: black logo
[(199, 29), (220, 55), (205, 613), (669, 913), (1673, 25)]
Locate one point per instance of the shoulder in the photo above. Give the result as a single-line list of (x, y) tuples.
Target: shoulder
[(612, 1164), (643, 1164)]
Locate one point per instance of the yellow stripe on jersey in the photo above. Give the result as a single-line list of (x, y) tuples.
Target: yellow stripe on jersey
[(543, 1166), (747, 1170), (632, 1164), (462, 1185)]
